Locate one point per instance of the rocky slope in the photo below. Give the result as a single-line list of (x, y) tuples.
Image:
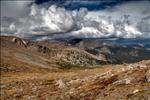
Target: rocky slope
[(116, 51), (44, 54), (80, 53), (109, 82), (39, 70)]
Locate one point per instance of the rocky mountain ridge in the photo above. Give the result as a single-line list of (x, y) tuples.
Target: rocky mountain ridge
[(81, 53), (47, 54)]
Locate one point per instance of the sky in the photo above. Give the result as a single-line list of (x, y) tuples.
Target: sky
[(48, 19)]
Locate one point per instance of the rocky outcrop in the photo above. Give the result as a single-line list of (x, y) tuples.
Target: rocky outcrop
[(79, 53), (20, 42), (43, 49)]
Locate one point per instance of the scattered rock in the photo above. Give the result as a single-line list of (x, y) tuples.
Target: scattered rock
[(142, 66), (147, 76), (135, 91), (123, 69), (75, 83), (122, 82), (18, 95), (108, 74), (129, 67), (72, 91), (60, 84)]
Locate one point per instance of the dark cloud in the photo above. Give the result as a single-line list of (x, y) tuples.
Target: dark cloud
[(77, 4)]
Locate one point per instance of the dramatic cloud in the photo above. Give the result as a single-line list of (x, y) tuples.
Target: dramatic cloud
[(127, 20), (77, 4)]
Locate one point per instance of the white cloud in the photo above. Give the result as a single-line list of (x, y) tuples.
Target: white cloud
[(129, 20)]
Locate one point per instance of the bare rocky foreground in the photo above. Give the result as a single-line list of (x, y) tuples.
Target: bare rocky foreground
[(110, 82), (39, 71)]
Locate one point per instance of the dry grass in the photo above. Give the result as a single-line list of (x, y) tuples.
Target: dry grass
[(72, 84)]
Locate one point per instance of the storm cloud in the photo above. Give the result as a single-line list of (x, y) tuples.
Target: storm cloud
[(126, 20)]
